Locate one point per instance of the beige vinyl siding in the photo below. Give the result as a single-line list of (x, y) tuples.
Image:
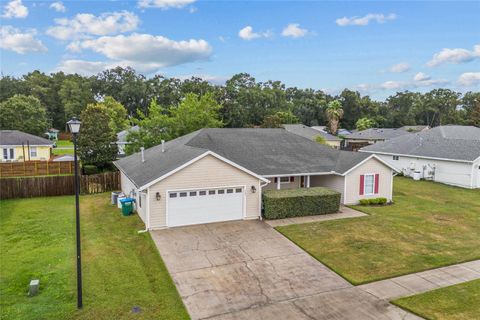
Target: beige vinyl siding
[(372, 166), (208, 172), (290, 185), (129, 189), (331, 181), (334, 143)]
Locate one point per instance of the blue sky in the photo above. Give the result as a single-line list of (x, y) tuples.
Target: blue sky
[(374, 47)]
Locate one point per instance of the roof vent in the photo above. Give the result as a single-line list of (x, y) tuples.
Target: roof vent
[(163, 145), (143, 154)]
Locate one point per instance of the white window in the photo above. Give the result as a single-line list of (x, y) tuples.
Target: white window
[(284, 179), (8, 153), (396, 157), (369, 184), (33, 151)]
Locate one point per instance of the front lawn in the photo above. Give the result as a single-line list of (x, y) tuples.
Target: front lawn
[(121, 268), (458, 302), (429, 226), (64, 147)]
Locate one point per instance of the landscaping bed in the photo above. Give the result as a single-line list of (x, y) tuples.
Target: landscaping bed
[(458, 302), (430, 225), (121, 268), (279, 204)]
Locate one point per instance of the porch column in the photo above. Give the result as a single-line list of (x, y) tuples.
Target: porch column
[(278, 183), (308, 181)]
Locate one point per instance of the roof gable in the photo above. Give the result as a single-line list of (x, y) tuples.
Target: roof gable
[(17, 138)]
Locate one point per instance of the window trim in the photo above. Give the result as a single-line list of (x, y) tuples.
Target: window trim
[(395, 158), (365, 193), (9, 153), (285, 182), (32, 151)]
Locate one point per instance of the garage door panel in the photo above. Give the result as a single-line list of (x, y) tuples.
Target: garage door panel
[(204, 206)]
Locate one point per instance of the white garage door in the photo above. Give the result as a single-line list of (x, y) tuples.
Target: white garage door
[(204, 206)]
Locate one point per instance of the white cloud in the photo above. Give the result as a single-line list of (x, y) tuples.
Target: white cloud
[(293, 30), (365, 20), (144, 51), (421, 77), (58, 6), (400, 67), (85, 67), (455, 56), (469, 79), (164, 4), (15, 9), (85, 24), (216, 80), (247, 33), (20, 41)]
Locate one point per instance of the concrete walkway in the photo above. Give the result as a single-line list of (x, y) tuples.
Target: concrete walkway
[(420, 282), (344, 213)]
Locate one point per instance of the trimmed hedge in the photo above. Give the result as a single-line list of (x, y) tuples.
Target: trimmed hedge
[(373, 202), (279, 204)]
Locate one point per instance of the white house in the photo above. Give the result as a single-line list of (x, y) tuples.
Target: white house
[(214, 175), (447, 154)]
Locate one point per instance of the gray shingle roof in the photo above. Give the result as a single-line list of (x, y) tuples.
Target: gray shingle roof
[(377, 134), (448, 142), (309, 133), (122, 135), (417, 128), (262, 151), (16, 138)]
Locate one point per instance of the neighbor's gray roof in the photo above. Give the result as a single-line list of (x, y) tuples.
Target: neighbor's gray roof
[(417, 128), (16, 138), (262, 151), (122, 135), (309, 133), (448, 142), (341, 131), (377, 134)]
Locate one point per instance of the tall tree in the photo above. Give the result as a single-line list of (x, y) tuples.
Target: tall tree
[(96, 141), (75, 94), (24, 113), (334, 114)]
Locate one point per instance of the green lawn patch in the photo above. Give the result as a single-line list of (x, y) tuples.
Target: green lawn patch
[(458, 302), (64, 143), (121, 268), (430, 225)]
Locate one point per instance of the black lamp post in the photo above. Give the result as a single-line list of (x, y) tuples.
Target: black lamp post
[(74, 126)]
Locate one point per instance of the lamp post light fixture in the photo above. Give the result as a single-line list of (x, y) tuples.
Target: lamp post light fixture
[(74, 126)]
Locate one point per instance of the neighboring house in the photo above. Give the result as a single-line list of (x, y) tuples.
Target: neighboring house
[(415, 129), (213, 175), (52, 134), (341, 131), (447, 154), (122, 139), (312, 134), (20, 146), (363, 138)]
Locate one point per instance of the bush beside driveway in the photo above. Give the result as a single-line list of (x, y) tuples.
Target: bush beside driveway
[(121, 268), (429, 226)]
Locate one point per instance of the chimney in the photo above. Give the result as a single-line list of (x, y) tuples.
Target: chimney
[(143, 155), (163, 145)]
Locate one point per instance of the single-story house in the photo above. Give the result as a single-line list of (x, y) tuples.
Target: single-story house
[(340, 132), (366, 137), (213, 175), (312, 134), (446, 154), (52, 134), (122, 139), (20, 146)]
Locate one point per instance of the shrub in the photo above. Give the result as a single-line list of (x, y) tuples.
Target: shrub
[(279, 204), (90, 169), (373, 201)]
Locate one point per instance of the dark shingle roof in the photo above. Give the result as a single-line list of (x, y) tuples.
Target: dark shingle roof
[(448, 142), (16, 138), (377, 134), (309, 133), (262, 151)]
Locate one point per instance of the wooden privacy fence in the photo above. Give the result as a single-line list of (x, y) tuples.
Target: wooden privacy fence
[(57, 185), (36, 168)]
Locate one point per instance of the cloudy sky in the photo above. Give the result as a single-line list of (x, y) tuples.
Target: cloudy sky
[(374, 47)]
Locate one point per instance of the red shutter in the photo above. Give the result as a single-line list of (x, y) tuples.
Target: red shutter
[(292, 179), (376, 182), (362, 184)]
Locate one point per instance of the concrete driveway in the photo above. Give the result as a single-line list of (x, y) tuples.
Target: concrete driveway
[(246, 270)]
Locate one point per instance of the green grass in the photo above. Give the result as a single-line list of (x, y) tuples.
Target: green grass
[(64, 147), (458, 302), (64, 143), (430, 225), (121, 268)]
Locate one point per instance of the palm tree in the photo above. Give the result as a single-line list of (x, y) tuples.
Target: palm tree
[(334, 114)]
